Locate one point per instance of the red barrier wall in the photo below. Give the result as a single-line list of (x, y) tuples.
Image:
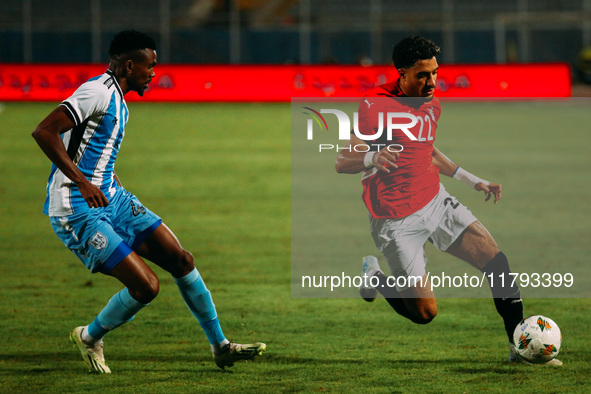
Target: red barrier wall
[(193, 83)]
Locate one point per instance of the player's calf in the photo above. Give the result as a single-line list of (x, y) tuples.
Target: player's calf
[(505, 292)]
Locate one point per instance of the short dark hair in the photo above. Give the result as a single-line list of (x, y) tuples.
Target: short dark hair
[(413, 48), (128, 41)]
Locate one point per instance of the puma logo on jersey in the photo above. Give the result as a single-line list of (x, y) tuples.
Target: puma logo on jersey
[(369, 104)]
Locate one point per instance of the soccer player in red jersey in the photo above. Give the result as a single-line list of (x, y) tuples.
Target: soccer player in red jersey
[(407, 204)]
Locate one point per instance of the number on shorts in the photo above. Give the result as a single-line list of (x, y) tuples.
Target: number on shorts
[(451, 202)]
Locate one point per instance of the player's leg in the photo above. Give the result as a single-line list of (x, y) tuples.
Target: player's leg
[(416, 303), (420, 301), (141, 287), (92, 238), (477, 247), (111, 252), (402, 244), (164, 249), (462, 235)]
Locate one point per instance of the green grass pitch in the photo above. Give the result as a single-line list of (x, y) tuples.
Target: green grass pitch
[(219, 176)]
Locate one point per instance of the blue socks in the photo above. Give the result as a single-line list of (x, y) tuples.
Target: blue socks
[(199, 301), (120, 309)]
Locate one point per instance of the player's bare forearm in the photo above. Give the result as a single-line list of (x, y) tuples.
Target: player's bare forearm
[(47, 136), (449, 168), (348, 161), (441, 161), (353, 158)]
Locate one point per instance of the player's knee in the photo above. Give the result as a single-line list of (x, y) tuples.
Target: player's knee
[(183, 264), (186, 262), (146, 290), (151, 290)]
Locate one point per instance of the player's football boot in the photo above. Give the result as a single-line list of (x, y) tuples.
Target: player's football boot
[(235, 352), (368, 269), (92, 355), (515, 358)]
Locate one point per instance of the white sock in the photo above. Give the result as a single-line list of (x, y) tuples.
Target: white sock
[(217, 348), (86, 338)]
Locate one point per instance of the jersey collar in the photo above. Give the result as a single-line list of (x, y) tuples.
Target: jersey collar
[(116, 83)]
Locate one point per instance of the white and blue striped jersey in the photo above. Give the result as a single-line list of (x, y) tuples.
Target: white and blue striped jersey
[(100, 115)]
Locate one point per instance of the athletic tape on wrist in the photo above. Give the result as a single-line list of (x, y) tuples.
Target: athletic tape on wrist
[(368, 159), (464, 176)]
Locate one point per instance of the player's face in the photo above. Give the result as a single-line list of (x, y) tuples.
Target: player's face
[(419, 80), (142, 71)]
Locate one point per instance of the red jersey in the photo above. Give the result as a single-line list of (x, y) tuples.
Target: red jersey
[(415, 182)]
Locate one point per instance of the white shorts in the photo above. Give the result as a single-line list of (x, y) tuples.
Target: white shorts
[(402, 241)]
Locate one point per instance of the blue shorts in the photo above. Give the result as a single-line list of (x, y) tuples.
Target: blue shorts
[(103, 237)]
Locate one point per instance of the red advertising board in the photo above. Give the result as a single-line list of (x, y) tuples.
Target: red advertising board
[(193, 83)]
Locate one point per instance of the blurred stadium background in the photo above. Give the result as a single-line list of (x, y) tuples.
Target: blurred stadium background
[(299, 32)]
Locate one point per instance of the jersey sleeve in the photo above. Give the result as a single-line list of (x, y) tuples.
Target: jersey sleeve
[(437, 109), (91, 98)]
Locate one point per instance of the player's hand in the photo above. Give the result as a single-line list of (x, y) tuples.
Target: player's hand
[(384, 160), (93, 196), (495, 189)]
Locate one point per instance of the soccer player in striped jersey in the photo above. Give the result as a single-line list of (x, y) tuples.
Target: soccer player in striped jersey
[(107, 227), (407, 204)]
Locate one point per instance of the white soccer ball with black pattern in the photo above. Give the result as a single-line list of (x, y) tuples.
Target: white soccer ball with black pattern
[(537, 339)]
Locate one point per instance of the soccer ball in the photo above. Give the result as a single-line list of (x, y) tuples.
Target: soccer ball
[(537, 339)]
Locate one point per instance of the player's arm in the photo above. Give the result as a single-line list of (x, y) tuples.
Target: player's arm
[(352, 160), (447, 167), (47, 135)]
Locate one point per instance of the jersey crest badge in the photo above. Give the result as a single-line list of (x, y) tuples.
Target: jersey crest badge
[(98, 241)]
